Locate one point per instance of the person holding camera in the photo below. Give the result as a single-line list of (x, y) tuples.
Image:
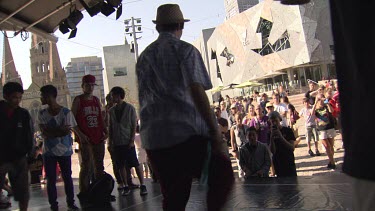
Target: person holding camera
[(325, 125), (282, 147)]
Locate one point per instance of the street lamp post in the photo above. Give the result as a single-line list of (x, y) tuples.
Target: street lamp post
[(136, 27)]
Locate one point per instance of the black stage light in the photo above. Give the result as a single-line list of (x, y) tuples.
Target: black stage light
[(92, 7), (70, 23), (63, 27), (73, 33), (119, 12), (74, 18), (107, 9), (114, 3)]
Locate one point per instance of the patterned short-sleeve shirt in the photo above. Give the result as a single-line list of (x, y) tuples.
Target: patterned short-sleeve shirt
[(165, 71), (58, 146)]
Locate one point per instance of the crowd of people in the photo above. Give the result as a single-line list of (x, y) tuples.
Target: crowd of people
[(258, 114)]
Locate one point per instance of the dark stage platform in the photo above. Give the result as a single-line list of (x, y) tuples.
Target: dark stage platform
[(303, 193)]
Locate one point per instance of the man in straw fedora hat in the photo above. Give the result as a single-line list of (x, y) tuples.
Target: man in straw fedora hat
[(177, 124)]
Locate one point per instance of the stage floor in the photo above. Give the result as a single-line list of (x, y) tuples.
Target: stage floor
[(331, 192)]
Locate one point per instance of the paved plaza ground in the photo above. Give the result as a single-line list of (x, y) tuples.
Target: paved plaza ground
[(306, 165), (315, 188)]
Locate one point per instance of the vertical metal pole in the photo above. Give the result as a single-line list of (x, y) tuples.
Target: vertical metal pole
[(135, 40)]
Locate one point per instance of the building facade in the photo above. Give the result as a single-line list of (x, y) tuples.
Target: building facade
[(46, 69), (9, 72), (272, 43), (77, 68), (120, 71), (234, 7)]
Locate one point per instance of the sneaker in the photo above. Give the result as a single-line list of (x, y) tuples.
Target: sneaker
[(331, 166), (73, 207), (125, 191), (311, 153), (120, 187), (133, 186), (143, 190), (54, 208), (5, 205), (317, 153), (4, 201)]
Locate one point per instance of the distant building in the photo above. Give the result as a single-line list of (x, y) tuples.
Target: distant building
[(120, 71), (9, 72), (271, 43), (234, 7), (77, 68), (46, 69)]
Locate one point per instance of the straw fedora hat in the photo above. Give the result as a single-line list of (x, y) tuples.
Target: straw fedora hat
[(169, 14)]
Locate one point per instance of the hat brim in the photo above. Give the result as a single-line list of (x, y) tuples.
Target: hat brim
[(159, 22), (311, 81), (90, 83)]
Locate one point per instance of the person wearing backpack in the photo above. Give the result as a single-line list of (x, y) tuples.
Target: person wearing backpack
[(16, 143), (91, 134), (293, 116), (122, 126), (56, 123)]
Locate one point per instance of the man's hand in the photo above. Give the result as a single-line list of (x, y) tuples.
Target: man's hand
[(83, 139), (105, 136), (275, 133), (235, 154), (66, 129), (217, 142), (109, 148)]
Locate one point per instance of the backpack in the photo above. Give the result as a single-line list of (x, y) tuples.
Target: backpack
[(294, 115), (99, 192)]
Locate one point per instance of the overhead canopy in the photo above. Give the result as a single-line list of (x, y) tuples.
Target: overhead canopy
[(248, 84), (41, 17), (229, 86), (270, 75), (215, 89)]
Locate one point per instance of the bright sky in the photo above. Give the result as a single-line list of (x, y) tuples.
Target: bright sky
[(98, 31)]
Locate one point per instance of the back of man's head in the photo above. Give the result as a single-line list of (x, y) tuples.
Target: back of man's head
[(49, 90), (118, 91), (12, 87)]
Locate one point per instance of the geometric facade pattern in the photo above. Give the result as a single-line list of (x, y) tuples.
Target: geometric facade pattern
[(268, 38)]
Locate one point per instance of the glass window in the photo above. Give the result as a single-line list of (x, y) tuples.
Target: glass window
[(265, 27), (120, 71)]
